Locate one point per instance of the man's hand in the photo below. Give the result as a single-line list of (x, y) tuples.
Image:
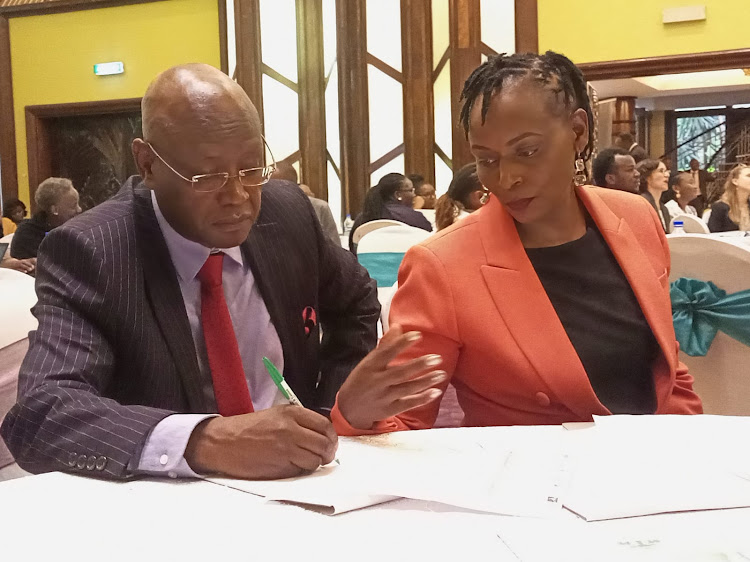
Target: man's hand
[(24, 266), (280, 442), (374, 391)]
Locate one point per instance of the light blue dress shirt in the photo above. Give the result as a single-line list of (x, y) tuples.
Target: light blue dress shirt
[(256, 336)]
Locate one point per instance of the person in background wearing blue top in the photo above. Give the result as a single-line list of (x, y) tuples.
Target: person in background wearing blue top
[(56, 203), (391, 199)]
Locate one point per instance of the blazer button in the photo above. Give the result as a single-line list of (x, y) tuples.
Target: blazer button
[(101, 462), (542, 399), (72, 458), (81, 464), (91, 463)]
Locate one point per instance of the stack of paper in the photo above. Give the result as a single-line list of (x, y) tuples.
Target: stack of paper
[(644, 465), (511, 471)]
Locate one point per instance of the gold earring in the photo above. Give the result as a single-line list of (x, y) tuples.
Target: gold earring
[(580, 178), (485, 195)]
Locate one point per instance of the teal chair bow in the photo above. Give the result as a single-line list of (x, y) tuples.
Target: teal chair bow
[(700, 309), (382, 266)]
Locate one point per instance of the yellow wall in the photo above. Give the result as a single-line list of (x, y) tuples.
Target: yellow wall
[(53, 55), (589, 31)]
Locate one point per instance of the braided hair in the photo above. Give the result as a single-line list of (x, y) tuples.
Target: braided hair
[(554, 72)]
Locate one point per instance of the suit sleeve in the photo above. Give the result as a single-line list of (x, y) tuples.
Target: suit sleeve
[(423, 302), (62, 422), (684, 400), (328, 224), (349, 313)]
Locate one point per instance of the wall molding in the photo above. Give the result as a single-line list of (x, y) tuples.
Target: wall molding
[(672, 64)]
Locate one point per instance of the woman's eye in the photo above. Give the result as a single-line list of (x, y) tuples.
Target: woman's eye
[(486, 161), (528, 152)]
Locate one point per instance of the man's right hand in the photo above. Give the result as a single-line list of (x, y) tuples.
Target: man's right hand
[(280, 442)]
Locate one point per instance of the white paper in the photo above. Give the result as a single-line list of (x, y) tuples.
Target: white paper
[(643, 465), (510, 471)]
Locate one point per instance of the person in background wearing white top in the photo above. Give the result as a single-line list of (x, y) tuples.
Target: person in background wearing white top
[(685, 190), (654, 182)]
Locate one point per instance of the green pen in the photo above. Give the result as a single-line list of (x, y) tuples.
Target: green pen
[(280, 383), (284, 388)]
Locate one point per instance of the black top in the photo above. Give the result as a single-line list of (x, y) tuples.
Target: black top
[(396, 212), (719, 220), (28, 237), (605, 324), (664, 216)]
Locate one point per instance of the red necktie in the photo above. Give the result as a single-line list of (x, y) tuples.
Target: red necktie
[(230, 386)]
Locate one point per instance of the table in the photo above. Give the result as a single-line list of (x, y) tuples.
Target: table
[(62, 517)]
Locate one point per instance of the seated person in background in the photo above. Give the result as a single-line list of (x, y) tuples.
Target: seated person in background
[(424, 197), (528, 302), (614, 168), (655, 181), (701, 178), (464, 196), (14, 211), (56, 203), (390, 199), (156, 307), (684, 192), (732, 211), (24, 266), (626, 141), (285, 171)]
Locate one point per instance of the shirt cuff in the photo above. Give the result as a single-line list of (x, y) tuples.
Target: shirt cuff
[(163, 453)]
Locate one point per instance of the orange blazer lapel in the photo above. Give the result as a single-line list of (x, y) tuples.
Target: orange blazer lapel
[(639, 270), (529, 315)]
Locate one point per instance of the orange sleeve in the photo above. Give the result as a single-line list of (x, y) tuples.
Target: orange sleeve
[(423, 302)]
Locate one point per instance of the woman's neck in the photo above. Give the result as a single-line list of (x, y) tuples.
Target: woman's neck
[(656, 194), (565, 223)]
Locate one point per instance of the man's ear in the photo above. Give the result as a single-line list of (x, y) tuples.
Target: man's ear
[(580, 123), (610, 179), (144, 160)]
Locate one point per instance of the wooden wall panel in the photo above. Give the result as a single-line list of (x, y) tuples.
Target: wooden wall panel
[(466, 55), (312, 114), (351, 48), (249, 58), (416, 55), (7, 120)]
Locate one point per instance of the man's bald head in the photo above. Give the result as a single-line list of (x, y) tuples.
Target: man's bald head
[(194, 97)]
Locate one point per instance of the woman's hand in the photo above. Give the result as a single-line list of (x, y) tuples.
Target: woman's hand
[(375, 391)]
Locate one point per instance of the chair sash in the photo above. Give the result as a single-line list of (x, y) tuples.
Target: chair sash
[(700, 309), (382, 266)]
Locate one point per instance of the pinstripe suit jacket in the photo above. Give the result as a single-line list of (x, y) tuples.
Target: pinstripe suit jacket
[(113, 354)]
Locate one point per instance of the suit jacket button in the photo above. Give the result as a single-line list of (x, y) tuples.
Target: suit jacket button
[(81, 464), (72, 458), (101, 462), (542, 399), (91, 463)]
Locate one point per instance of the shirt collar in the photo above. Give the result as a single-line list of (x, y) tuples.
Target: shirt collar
[(187, 256)]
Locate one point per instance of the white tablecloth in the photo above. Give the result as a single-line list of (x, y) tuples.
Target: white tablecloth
[(61, 517)]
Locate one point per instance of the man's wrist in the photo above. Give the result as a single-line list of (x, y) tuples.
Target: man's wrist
[(198, 453)]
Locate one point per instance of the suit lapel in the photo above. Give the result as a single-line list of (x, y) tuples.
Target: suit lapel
[(262, 253), (638, 270), (164, 293), (522, 301)]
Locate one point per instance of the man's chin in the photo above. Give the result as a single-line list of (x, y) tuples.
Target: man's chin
[(229, 239)]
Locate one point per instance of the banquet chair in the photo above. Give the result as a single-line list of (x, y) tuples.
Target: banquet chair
[(691, 224), (722, 376), (381, 251), (371, 226), (17, 296), (429, 214)]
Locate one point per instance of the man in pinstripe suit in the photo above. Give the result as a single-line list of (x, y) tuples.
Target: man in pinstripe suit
[(118, 378)]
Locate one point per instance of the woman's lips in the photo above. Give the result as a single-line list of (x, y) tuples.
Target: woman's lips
[(519, 205)]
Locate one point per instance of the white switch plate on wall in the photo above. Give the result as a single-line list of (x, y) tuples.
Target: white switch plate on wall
[(684, 13)]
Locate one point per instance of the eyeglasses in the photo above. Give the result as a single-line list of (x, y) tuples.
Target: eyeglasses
[(206, 183)]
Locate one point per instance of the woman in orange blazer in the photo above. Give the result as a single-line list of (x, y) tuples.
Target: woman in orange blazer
[(551, 303)]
